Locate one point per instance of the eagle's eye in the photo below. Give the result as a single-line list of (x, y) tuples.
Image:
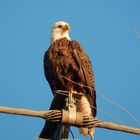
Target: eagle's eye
[(59, 26)]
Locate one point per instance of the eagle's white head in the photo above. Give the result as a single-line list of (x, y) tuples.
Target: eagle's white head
[(59, 30)]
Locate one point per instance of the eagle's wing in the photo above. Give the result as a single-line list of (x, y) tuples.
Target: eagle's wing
[(86, 73)]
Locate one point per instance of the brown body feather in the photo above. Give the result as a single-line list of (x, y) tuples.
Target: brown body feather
[(67, 58)]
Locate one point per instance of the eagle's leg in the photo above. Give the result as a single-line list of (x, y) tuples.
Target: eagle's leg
[(83, 105)]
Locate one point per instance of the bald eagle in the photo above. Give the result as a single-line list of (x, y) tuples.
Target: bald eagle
[(67, 58)]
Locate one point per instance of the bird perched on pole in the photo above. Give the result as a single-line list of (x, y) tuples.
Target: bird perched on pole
[(65, 64)]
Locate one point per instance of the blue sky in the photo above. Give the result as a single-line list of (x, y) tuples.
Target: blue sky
[(104, 28)]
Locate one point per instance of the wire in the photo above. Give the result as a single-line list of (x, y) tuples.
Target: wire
[(121, 107), (107, 99), (135, 30), (100, 110), (71, 133)]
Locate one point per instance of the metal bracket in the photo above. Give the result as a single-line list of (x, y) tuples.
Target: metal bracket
[(70, 115)]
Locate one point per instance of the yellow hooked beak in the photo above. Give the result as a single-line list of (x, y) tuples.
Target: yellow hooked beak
[(66, 28)]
